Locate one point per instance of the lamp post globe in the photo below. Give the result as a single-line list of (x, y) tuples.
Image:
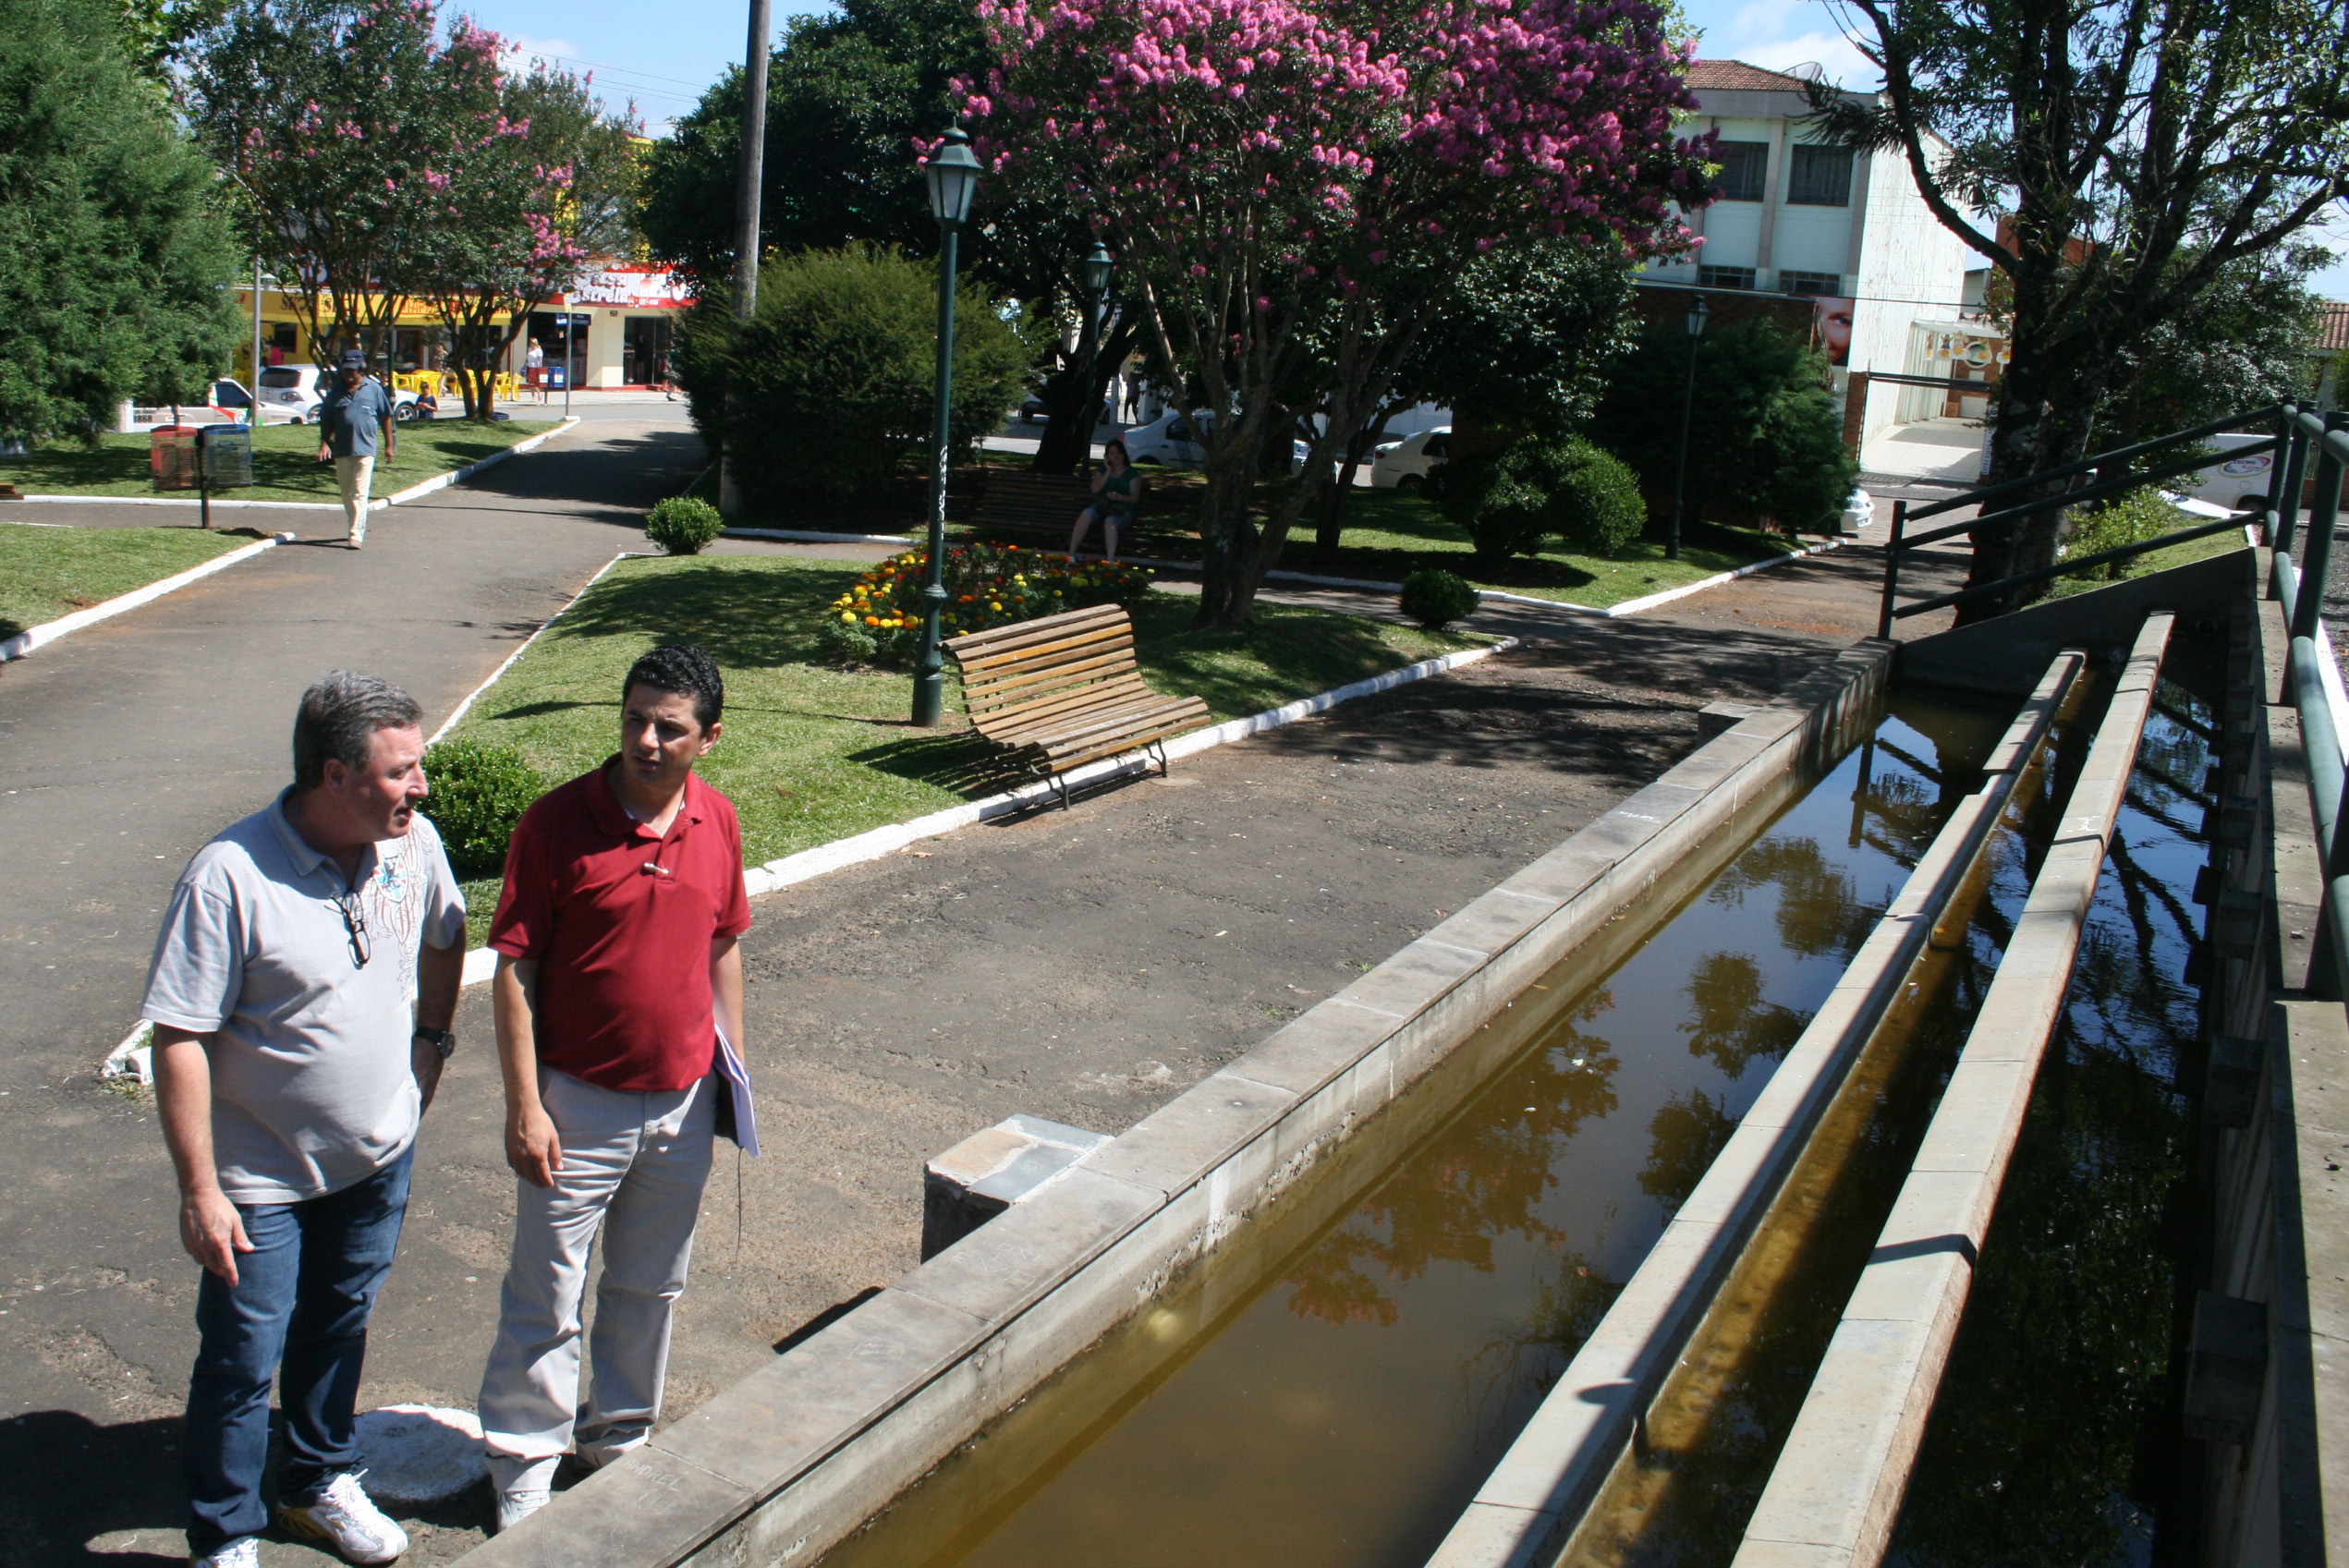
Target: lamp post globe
[(1698, 310), (1095, 269), (953, 174)]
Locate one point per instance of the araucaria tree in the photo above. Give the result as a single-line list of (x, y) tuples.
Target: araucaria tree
[(1291, 185), (2135, 150)]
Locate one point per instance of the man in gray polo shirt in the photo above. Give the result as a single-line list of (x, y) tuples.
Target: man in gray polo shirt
[(355, 408), (292, 1073)]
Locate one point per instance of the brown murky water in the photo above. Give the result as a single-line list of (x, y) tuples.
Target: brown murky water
[(1331, 1399)]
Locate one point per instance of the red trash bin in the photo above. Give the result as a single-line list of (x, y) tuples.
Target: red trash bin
[(171, 456)]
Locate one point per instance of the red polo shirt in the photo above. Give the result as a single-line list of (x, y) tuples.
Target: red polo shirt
[(620, 920)]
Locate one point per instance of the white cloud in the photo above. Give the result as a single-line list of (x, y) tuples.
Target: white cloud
[(1778, 33)]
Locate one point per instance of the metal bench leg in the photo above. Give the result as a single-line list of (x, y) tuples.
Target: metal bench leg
[(1165, 767)]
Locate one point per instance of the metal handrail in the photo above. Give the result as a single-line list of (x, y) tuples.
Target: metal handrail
[(2279, 418)]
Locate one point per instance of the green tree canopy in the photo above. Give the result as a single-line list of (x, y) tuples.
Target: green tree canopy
[(114, 255), (1767, 437), (830, 385)]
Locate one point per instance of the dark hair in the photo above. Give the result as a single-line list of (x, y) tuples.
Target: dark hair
[(339, 718), (686, 671), (1121, 451)]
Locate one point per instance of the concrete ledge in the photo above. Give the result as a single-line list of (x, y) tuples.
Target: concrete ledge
[(1586, 1424), (790, 1462), (1836, 1489)]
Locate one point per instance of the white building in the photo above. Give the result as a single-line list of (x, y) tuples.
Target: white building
[(1801, 219)]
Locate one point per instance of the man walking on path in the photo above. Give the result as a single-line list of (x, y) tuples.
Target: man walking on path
[(618, 1000), (354, 407), (292, 1075)]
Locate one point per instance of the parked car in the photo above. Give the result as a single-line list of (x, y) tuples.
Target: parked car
[(1032, 409), (1405, 464), (297, 390), (1859, 511), (1170, 440)]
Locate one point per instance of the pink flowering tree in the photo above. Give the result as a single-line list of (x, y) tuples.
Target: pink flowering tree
[(1294, 187), (534, 183), (380, 164)]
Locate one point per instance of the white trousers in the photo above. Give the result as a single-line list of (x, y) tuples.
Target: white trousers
[(633, 1167), (357, 477)]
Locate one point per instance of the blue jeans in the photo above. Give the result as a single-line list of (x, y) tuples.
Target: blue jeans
[(299, 1312)]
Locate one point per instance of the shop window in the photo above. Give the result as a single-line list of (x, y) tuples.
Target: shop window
[(644, 350), (1810, 286), (1724, 277), (1820, 177), (1745, 170)]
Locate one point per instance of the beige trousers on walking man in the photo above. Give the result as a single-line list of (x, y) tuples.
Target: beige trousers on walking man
[(634, 1166), (357, 476)]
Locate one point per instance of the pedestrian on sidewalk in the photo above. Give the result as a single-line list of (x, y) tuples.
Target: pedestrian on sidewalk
[(356, 407), (292, 1073), (618, 1000)]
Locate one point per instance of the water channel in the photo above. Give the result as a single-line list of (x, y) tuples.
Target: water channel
[(1338, 1408)]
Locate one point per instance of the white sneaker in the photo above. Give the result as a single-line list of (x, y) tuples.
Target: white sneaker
[(347, 1519), (514, 1506), (242, 1552)]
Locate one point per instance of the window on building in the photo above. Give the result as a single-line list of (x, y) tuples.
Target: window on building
[(1811, 286), (1745, 170), (1820, 176), (1724, 277)]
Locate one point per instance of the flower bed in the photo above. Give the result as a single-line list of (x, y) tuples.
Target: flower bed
[(877, 621)]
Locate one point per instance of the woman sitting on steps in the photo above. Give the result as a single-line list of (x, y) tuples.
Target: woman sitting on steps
[(1117, 490)]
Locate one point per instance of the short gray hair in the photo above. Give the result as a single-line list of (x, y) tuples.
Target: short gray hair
[(339, 718)]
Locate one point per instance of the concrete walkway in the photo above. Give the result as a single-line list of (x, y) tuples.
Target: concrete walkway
[(1084, 966)]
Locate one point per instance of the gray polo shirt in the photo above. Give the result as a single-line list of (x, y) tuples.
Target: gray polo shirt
[(353, 418), (311, 1079)]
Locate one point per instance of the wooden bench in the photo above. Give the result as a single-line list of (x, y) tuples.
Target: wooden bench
[(1043, 508), (1060, 691)]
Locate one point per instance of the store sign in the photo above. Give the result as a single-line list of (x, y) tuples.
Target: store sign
[(630, 287)]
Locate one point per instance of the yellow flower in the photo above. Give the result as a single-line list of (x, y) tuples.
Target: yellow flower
[(849, 616)]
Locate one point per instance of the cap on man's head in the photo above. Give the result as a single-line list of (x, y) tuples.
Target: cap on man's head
[(354, 361)]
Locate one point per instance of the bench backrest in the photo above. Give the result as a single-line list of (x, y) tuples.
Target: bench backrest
[(1016, 675)]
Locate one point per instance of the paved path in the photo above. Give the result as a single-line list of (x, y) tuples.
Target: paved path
[(1086, 965)]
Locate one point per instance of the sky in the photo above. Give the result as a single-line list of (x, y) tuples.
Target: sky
[(663, 61)]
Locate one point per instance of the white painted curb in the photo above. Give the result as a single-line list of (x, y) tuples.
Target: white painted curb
[(457, 476), (805, 536), (48, 632)]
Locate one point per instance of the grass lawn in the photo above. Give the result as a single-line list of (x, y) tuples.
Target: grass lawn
[(812, 753), (49, 572), (1391, 533), (286, 465), (2157, 560)]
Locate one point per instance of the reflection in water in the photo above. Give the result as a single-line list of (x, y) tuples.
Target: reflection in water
[(2055, 1438), (1343, 1417)]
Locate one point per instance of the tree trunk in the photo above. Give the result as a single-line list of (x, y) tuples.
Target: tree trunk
[(1328, 528), (2046, 416), (1067, 443), (1228, 540)]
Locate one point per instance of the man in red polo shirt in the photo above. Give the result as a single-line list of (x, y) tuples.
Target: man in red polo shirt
[(617, 975)]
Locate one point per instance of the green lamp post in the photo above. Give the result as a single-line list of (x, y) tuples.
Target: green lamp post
[(1096, 269), (1696, 313), (953, 174)]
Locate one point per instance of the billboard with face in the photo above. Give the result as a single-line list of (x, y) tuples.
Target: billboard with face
[(1835, 328)]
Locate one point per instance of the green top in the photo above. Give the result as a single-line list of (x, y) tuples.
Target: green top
[(1120, 484)]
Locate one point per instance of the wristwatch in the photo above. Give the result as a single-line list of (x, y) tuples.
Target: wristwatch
[(442, 1040)]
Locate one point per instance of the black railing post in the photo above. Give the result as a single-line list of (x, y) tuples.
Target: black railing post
[(1891, 568)]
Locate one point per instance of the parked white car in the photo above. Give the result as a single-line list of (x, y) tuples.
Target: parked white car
[(1859, 511), (1405, 464), (2234, 482), (1170, 441), (296, 391)]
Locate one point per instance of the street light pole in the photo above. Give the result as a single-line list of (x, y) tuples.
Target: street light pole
[(1096, 267), (749, 182), (255, 391), (1688, 408), (570, 356), (953, 174)]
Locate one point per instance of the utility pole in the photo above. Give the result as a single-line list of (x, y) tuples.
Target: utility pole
[(749, 177)]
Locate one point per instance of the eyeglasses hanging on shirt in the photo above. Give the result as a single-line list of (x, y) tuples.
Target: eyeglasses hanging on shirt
[(354, 925)]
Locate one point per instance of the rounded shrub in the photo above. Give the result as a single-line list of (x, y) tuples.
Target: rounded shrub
[(1434, 597), (479, 792), (1535, 488), (683, 525)]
